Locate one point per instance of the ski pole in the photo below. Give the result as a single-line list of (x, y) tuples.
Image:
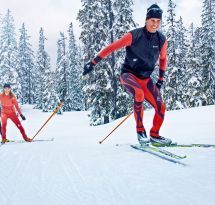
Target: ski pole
[(100, 142), (54, 112)]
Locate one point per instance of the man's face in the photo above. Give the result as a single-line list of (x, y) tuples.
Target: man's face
[(153, 24)]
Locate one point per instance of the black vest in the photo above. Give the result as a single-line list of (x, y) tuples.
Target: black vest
[(143, 53)]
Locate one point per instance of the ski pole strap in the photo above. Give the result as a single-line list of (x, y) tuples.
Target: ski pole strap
[(100, 142)]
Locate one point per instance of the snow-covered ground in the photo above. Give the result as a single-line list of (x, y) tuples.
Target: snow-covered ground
[(75, 169)]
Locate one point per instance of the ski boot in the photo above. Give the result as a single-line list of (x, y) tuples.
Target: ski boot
[(142, 138), (160, 141), (28, 139), (4, 141)]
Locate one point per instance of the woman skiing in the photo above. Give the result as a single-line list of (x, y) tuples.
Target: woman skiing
[(8, 102), (144, 46)]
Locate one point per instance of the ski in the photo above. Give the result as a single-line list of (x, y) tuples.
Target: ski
[(38, 140), (23, 141), (161, 153), (186, 145)]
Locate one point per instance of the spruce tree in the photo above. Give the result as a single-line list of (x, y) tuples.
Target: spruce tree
[(75, 69), (26, 68), (46, 97), (94, 37), (172, 80), (51, 99), (62, 72), (208, 49), (9, 54), (181, 64), (123, 23), (194, 90), (104, 97)]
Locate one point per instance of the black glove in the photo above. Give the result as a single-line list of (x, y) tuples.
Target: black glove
[(22, 116), (88, 68), (159, 84)]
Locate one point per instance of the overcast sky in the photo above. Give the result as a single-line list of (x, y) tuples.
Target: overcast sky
[(55, 15)]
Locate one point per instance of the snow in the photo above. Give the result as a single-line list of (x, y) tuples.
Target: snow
[(76, 169)]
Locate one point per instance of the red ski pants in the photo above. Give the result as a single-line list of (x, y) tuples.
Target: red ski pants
[(144, 89), (16, 121)]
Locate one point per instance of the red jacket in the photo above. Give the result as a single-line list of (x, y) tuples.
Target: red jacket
[(8, 104)]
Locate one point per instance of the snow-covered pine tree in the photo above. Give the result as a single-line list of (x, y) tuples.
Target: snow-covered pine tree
[(85, 18), (123, 23), (109, 64), (94, 36), (9, 54), (75, 69), (181, 63), (102, 89), (46, 97), (208, 49), (51, 99), (171, 80), (195, 95), (63, 73), (26, 69)]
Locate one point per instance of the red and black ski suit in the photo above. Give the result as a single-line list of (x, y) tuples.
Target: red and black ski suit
[(142, 52), (8, 111)]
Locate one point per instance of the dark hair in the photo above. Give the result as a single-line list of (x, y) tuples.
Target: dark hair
[(10, 94)]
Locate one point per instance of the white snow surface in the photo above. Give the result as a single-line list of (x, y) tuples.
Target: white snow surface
[(75, 169)]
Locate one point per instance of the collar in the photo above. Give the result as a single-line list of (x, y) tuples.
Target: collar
[(147, 33)]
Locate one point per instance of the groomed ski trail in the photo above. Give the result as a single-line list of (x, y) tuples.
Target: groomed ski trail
[(76, 169)]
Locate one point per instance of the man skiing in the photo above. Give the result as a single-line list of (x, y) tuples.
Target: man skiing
[(143, 48), (8, 102)]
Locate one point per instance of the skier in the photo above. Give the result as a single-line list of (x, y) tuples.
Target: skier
[(8, 101), (143, 48)]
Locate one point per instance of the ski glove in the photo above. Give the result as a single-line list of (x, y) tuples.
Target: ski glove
[(22, 116), (159, 84), (88, 68)]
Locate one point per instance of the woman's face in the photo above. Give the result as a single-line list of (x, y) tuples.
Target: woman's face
[(7, 91)]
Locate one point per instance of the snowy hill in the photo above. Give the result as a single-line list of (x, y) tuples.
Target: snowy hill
[(75, 169)]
